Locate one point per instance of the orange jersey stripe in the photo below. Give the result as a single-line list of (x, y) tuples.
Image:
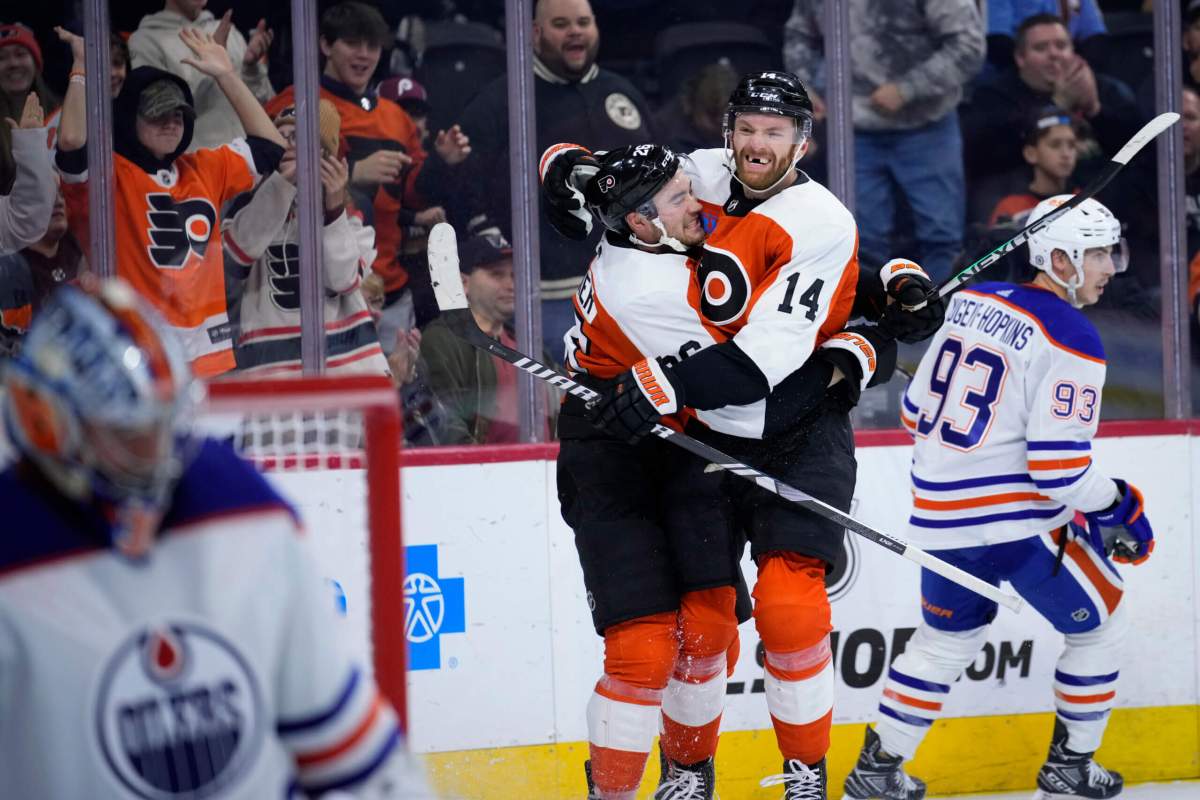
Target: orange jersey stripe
[(1085, 698), (1060, 463), (928, 705), (356, 735), (976, 502)]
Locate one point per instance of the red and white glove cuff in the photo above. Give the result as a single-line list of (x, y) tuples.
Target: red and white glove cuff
[(898, 267), (861, 348), (656, 386)]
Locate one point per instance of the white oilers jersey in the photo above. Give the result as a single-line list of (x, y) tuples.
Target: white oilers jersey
[(632, 305), (1003, 408), (209, 669), (778, 276)]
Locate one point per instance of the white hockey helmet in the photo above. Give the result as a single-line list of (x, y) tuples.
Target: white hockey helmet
[(1087, 225)]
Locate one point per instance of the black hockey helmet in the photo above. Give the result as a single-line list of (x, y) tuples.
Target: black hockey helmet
[(627, 181), (772, 92)]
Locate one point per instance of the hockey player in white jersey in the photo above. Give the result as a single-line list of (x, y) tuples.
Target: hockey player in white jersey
[(1003, 408), (163, 630), (775, 284), (652, 528)]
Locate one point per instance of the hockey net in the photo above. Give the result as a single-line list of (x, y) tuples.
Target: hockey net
[(332, 445)]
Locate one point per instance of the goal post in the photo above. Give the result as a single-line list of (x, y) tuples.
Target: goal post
[(333, 423)]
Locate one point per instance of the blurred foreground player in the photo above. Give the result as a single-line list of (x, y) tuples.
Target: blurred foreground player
[(162, 627), (1003, 407)]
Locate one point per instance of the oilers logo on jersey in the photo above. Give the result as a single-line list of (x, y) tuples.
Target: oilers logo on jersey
[(178, 229), (178, 712)]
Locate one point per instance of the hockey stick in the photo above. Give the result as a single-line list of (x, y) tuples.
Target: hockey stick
[(1139, 140), (447, 287)]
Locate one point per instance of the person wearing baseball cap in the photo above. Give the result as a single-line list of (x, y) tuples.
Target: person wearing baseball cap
[(478, 390), (411, 96), (167, 203)]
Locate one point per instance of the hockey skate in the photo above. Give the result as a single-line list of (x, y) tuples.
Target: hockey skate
[(799, 781), (878, 776), (1068, 775), (685, 782)]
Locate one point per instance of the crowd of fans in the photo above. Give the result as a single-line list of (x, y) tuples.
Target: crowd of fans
[(965, 114)]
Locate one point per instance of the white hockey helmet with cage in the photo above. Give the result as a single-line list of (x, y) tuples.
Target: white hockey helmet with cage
[(99, 399), (1084, 227)]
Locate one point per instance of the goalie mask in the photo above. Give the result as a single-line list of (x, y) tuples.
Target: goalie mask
[(99, 400), (1089, 225), (627, 181)]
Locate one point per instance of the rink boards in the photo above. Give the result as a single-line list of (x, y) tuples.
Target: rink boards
[(504, 655)]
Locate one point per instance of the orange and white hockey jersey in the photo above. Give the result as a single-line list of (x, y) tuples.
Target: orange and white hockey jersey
[(1003, 407), (169, 241), (632, 304), (211, 668), (777, 276)]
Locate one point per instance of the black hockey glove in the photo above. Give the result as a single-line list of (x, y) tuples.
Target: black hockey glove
[(866, 356), (908, 285), (630, 408), (564, 170)]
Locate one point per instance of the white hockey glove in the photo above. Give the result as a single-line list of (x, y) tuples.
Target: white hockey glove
[(908, 285), (564, 169), (865, 354), (630, 408)]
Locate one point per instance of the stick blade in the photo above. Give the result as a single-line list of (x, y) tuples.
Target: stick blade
[(1147, 134), (443, 268)]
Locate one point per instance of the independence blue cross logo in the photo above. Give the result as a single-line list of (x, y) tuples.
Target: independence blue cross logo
[(432, 606)]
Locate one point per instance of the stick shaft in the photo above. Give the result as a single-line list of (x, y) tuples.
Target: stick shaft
[(463, 324)]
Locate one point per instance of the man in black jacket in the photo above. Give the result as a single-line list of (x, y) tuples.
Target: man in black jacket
[(577, 101), (1047, 70)]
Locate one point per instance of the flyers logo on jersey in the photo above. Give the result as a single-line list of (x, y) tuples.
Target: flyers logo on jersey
[(176, 230), (283, 275)]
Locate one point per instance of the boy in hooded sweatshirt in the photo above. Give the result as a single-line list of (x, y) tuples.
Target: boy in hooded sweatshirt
[(262, 249), (167, 204), (156, 43)]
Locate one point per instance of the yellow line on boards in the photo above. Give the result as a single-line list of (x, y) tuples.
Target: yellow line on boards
[(969, 754)]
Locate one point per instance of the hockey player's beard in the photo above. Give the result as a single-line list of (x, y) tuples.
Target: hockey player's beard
[(762, 181)]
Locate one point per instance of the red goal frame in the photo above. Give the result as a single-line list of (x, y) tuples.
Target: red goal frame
[(376, 397)]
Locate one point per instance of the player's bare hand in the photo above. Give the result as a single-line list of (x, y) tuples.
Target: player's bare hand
[(260, 41), (887, 98), (403, 358), (208, 56), (453, 145), (430, 216), (382, 166), (78, 52), (335, 176), (32, 115)]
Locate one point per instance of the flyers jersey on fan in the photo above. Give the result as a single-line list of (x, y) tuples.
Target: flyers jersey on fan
[(1003, 408), (169, 241)]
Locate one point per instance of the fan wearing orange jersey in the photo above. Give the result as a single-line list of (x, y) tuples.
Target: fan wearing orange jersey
[(389, 169), (167, 203)]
